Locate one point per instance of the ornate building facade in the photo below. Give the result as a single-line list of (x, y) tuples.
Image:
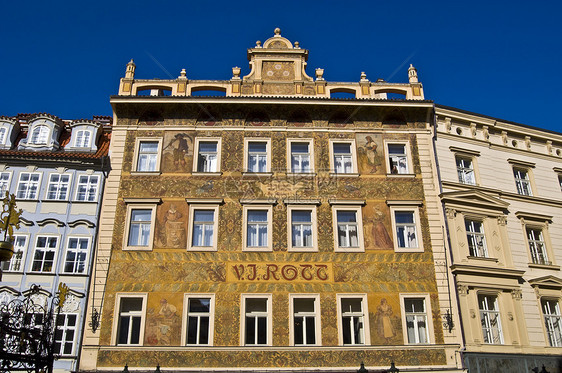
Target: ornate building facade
[(502, 196), (275, 227), (56, 169)]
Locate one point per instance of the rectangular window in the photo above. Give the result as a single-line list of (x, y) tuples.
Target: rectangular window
[(560, 181), (140, 227), (258, 228), (352, 313), (87, 189), (465, 170), (300, 157), (40, 135), (15, 264), (257, 158), (537, 246), (343, 157), (199, 320), (301, 229), (3, 132), (76, 254), (44, 255), (305, 319), (203, 227), (65, 334), (490, 319), (397, 158), (476, 238), (347, 229), (522, 182), (58, 187), (406, 234), (130, 321), (147, 157), (4, 183), (416, 320), (28, 185), (257, 328), (208, 156), (552, 321), (83, 139)]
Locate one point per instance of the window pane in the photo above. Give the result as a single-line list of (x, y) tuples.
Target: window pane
[(342, 148), (257, 147), (257, 216), (256, 305), (347, 216), (199, 304)]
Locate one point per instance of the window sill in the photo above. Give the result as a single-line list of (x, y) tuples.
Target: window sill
[(349, 250), (351, 174), (257, 249), (257, 174), (206, 173), (482, 258), (54, 200), (201, 248), (544, 266), (302, 249), (27, 199), (401, 175), (408, 250), (301, 174), (85, 202), (137, 248), (146, 173)]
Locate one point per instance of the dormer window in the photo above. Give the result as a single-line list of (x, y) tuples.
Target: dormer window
[(3, 132), (83, 139), (40, 135)]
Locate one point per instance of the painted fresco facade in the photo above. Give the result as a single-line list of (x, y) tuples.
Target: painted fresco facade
[(502, 197), (273, 227), (56, 170)]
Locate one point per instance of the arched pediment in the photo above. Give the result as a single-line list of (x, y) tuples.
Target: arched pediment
[(277, 41), (78, 222), (56, 222)]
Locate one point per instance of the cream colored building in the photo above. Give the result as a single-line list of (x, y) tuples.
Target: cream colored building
[(501, 191)]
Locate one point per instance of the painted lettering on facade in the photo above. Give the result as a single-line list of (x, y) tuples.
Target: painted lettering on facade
[(301, 272)]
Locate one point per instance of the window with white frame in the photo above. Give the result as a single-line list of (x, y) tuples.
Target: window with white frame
[(347, 228), (257, 156), (130, 320), (302, 227), (258, 222), (300, 156), (490, 319), (199, 319), (87, 189), (476, 239), (83, 138), (406, 231), (28, 185), (522, 181), (343, 157), (4, 183), (140, 226), (560, 181), (148, 156), (552, 321), (465, 170), (208, 155), (397, 158), (3, 132), (353, 317), (76, 254), (537, 246), (203, 227), (16, 263), (40, 135), (44, 254), (257, 320), (305, 314), (65, 333), (58, 187), (415, 313)]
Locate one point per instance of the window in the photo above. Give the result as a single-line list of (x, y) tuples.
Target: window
[(258, 228), (416, 320), (58, 187), (256, 320), (40, 135), (76, 254), (406, 230), (490, 319), (148, 156), (199, 319), (348, 230), (300, 155), (465, 170), (203, 227), (353, 317), (305, 317), (82, 139), (552, 321), (15, 264), (3, 132), (560, 181), (476, 239), (140, 227), (4, 183), (257, 157), (65, 334), (302, 228), (397, 158), (130, 328), (44, 255), (537, 246), (343, 159), (208, 155), (87, 189), (522, 182), (28, 185)]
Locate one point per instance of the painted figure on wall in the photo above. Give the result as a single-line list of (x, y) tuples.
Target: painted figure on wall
[(177, 152), (383, 316), (163, 326), (370, 158), (171, 232), (376, 233)]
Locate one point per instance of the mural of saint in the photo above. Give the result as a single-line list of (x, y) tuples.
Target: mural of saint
[(370, 153), (383, 316)]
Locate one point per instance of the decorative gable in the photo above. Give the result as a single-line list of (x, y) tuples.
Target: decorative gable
[(84, 136), (474, 199), (547, 282), (43, 134), (9, 130)]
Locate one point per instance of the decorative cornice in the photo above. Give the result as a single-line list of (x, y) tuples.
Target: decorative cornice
[(487, 271), (217, 201)]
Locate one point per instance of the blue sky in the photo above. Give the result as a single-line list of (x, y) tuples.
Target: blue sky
[(499, 58)]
